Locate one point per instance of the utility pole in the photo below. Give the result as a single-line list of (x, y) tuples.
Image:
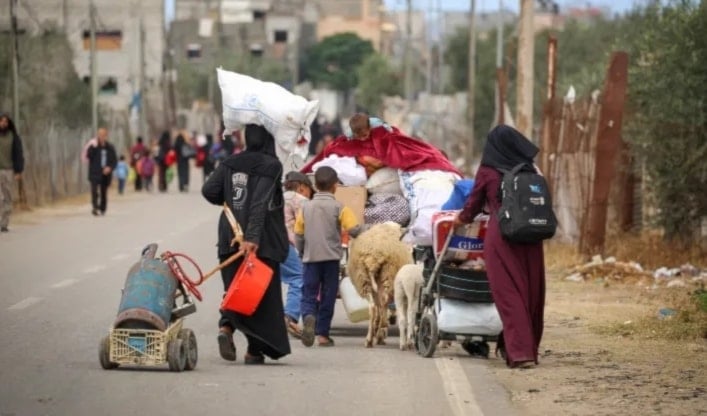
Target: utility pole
[(500, 74), (15, 65), (94, 70), (428, 41), (143, 86), (471, 84), (440, 47), (526, 49), (408, 55)]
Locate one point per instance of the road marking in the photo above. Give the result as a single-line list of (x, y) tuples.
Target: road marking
[(119, 256), (65, 283), (94, 269), (24, 304), (459, 392)]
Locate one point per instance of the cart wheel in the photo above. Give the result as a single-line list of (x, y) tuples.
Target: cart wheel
[(189, 339), (476, 348), (176, 355), (428, 336), (104, 354)]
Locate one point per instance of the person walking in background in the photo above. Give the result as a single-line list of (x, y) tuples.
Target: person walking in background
[(12, 164), (101, 162), (136, 153), (184, 151), (516, 272), (317, 230), (121, 172), (250, 185), (147, 170), (298, 188), (164, 146)]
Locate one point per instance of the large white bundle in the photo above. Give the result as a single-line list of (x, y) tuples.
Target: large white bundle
[(286, 116), (427, 191), (456, 316), (350, 173)]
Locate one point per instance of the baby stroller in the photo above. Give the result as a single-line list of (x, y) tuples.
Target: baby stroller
[(455, 301)]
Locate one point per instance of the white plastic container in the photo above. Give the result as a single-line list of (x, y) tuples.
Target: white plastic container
[(356, 307)]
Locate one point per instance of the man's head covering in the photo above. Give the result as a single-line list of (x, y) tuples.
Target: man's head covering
[(10, 123), (295, 176), (258, 139), (506, 148)]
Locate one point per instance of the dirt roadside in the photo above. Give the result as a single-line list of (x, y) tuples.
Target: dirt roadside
[(587, 370)]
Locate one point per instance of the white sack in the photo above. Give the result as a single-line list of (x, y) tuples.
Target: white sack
[(286, 116), (384, 181), (426, 191), (467, 318), (349, 171)]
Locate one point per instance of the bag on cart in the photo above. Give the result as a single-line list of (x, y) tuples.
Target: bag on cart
[(526, 214)]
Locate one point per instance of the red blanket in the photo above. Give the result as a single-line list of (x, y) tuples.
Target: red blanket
[(393, 148)]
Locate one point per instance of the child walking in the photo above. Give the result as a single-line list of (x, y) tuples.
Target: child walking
[(147, 170), (318, 229), (121, 172)]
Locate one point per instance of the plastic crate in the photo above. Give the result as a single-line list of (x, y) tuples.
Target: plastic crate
[(141, 346)]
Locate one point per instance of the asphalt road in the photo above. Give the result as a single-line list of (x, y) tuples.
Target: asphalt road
[(61, 275)]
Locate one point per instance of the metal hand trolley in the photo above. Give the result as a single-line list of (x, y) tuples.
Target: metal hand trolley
[(465, 294), (149, 329)]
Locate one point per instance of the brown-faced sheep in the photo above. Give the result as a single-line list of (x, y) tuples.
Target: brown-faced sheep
[(375, 257)]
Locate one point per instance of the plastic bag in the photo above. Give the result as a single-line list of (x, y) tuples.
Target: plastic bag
[(350, 173), (384, 181), (286, 116), (461, 317)]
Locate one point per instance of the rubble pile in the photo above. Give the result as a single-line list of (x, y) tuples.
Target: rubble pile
[(610, 269)]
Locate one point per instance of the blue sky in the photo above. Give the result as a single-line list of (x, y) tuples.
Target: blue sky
[(616, 6)]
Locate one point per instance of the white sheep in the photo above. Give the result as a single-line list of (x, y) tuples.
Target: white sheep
[(375, 257), (408, 282)]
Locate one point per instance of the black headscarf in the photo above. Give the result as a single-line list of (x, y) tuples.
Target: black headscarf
[(259, 156), (506, 148)]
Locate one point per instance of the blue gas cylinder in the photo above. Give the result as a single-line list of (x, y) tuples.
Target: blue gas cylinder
[(148, 295)]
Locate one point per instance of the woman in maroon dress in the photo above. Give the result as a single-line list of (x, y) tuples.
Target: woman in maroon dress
[(516, 272)]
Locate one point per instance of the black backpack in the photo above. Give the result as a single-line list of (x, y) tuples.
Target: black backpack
[(526, 214)]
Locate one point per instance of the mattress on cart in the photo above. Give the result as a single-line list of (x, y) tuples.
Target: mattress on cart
[(459, 317), (467, 242)]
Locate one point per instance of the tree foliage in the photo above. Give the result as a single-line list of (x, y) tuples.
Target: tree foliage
[(49, 88), (666, 115), (333, 61), (668, 109), (376, 79)]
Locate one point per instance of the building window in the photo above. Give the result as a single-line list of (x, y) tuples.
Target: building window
[(280, 36), (256, 50), (193, 51), (106, 40), (108, 86), (258, 14)]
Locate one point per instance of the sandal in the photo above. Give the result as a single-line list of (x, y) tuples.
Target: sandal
[(226, 346), (328, 343), (292, 328), (308, 330), (254, 359)]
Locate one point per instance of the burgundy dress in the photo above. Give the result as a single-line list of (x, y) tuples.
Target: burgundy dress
[(516, 273)]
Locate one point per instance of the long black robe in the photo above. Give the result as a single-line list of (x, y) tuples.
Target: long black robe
[(250, 182)]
